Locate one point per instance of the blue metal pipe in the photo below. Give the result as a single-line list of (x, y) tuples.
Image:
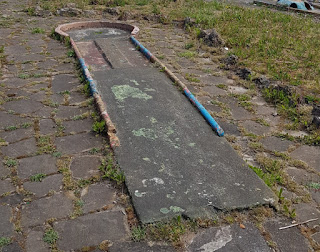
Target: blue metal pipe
[(142, 49), (92, 85)]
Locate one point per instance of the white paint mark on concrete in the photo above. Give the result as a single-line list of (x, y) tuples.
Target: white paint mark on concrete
[(222, 237), (156, 181)]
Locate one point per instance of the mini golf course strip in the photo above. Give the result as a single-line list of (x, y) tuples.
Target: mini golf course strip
[(172, 162)]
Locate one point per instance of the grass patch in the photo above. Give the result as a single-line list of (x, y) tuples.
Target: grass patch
[(4, 241), (111, 171), (187, 54), (37, 30), (37, 177), (50, 236), (10, 162)]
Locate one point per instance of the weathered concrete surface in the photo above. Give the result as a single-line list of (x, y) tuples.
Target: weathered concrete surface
[(180, 165), (138, 247), (229, 239)]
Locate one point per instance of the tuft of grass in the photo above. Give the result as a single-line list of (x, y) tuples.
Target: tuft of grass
[(50, 236), (99, 127), (138, 233), (187, 54), (37, 30), (37, 177), (111, 171), (4, 241), (10, 162)]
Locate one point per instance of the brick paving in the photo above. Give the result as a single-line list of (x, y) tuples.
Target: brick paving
[(42, 134)]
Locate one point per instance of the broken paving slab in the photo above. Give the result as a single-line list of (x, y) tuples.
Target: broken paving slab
[(229, 238), (173, 162)]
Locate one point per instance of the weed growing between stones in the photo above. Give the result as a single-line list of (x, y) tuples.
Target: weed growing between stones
[(50, 236), (4, 241), (111, 171), (37, 177)]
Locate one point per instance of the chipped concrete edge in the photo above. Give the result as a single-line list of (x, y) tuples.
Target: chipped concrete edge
[(62, 31)]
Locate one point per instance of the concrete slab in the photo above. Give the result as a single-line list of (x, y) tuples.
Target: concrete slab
[(20, 149), (85, 167), (229, 238), (6, 227), (138, 247), (182, 167), (173, 162)]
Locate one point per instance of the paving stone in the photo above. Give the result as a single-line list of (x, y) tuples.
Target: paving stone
[(12, 200), (45, 111), (47, 126), (276, 144), (17, 135), (11, 120), (78, 143), (76, 97), (19, 149), (26, 57), (139, 247), (84, 167), (38, 211), (288, 240), (45, 164), (213, 80), (4, 171), (68, 112), (265, 110), (15, 82), (35, 243), (23, 106), (64, 82), (78, 126), (57, 98), (97, 196), (229, 238), (229, 128), (301, 176), (214, 91), (6, 227), (255, 128), (306, 211), (308, 154), (6, 187), (47, 64), (316, 237), (13, 247), (238, 113), (91, 230), (50, 183), (315, 194)]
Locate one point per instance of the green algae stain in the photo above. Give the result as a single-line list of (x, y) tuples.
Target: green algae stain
[(147, 159), (123, 92), (149, 90), (164, 210), (147, 133), (138, 194), (153, 120), (191, 144), (176, 209), (135, 82)]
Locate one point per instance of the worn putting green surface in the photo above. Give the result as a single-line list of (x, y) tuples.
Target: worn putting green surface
[(174, 163)]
